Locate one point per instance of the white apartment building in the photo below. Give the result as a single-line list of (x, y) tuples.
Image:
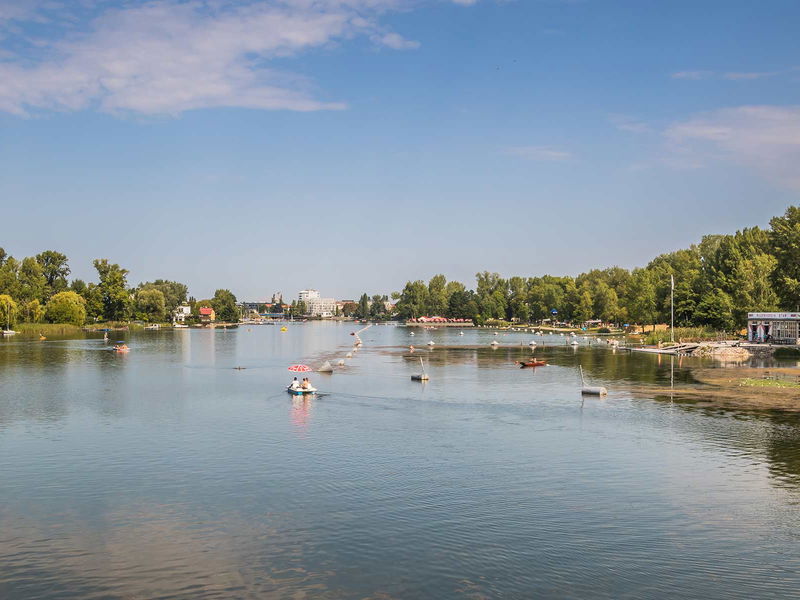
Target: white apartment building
[(321, 307), (307, 295)]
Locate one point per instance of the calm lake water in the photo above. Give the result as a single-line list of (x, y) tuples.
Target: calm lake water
[(166, 473)]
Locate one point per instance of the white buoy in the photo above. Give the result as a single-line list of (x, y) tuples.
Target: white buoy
[(420, 376), (431, 343), (461, 333), (349, 355), (532, 343), (591, 390), (412, 333), (494, 344)]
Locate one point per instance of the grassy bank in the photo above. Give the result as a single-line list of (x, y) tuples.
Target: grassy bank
[(35, 329), (46, 329), (688, 334)]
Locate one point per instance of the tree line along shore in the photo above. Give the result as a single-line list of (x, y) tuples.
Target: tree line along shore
[(716, 283), (36, 291)]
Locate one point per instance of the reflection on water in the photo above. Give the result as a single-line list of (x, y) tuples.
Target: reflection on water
[(170, 473), (301, 411)]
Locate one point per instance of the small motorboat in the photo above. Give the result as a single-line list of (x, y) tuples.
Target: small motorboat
[(298, 391), (531, 363), (121, 348)]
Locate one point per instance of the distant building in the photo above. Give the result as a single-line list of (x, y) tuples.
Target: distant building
[(306, 295), (207, 314), (775, 327), (181, 312), (321, 307)]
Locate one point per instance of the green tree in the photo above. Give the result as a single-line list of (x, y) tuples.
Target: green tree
[(463, 305), (66, 307), (572, 300), (32, 282), (583, 312), (437, 295), (8, 310), (32, 312), (150, 305), (518, 307), (606, 303), (9, 277), (413, 300), (642, 298), (55, 268), (174, 293), (377, 307), (716, 310), (114, 294), (363, 307), (753, 287), (224, 305), (785, 246)]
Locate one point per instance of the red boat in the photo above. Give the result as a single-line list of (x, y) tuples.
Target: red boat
[(531, 363)]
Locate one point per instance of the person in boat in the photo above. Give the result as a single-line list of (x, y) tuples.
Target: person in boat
[(306, 383), (295, 384)]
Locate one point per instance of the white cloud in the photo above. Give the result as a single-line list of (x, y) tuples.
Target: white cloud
[(539, 153), (169, 56), (731, 75), (630, 124), (694, 75), (747, 76), (395, 41), (763, 138)]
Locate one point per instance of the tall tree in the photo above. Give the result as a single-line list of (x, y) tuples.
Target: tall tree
[(363, 307), (150, 305), (437, 295), (785, 243), (413, 300), (224, 304), (55, 268), (32, 282), (583, 312), (113, 289), (9, 277), (716, 310), (8, 311), (642, 297)]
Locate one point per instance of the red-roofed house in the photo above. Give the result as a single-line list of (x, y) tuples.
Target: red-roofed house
[(207, 314)]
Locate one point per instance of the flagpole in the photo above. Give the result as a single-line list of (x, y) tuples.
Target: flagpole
[(672, 308)]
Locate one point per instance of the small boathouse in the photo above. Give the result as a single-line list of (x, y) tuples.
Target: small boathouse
[(773, 327)]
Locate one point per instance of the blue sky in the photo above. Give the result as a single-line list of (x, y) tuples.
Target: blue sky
[(350, 145)]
